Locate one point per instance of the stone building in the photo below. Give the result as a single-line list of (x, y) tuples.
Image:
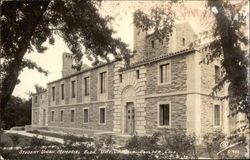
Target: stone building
[(164, 87)]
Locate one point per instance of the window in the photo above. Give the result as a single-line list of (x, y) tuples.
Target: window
[(153, 44), (120, 77), (52, 116), (183, 42), (138, 74), (102, 115), (86, 86), (164, 115), (73, 94), (72, 115), (161, 41), (217, 74), (62, 91), (61, 115), (35, 99), (53, 93), (216, 115), (103, 82), (85, 115), (165, 73), (36, 117)]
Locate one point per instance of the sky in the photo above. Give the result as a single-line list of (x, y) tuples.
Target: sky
[(51, 59)]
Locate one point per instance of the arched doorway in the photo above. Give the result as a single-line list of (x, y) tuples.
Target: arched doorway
[(128, 110)]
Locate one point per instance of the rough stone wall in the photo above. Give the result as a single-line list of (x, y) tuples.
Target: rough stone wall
[(178, 76), (178, 112), (78, 123), (93, 85), (207, 114)]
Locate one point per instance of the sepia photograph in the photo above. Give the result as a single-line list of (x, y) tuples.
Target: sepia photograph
[(124, 79)]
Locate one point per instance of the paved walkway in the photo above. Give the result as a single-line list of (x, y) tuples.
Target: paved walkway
[(48, 138)]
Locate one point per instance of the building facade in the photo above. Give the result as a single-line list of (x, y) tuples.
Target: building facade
[(164, 87)]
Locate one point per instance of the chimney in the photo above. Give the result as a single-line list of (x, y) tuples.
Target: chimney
[(68, 59)]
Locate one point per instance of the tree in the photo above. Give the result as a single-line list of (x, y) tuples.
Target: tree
[(26, 25), (228, 36)]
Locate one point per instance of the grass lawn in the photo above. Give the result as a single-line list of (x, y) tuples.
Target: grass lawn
[(23, 140)]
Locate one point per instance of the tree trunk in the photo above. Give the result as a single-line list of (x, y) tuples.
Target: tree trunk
[(9, 82)]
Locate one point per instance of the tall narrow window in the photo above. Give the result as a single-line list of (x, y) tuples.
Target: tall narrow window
[(120, 77), (138, 74), (52, 116), (102, 115), (85, 115), (217, 115), (62, 91), (73, 95), (36, 117), (217, 74), (72, 115), (165, 73), (61, 115), (86, 86), (153, 44), (183, 42), (164, 115), (103, 82), (53, 93)]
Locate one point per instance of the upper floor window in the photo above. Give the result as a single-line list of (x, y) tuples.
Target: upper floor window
[(120, 77), (103, 82), (183, 42), (102, 115), (85, 115), (216, 115), (217, 73), (164, 115), (73, 94), (72, 115), (153, 44), (138, 74), (53, 93), (62, 91), (164, 73), (86, 86)]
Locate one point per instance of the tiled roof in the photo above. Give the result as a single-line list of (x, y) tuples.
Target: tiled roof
[(146, 61)]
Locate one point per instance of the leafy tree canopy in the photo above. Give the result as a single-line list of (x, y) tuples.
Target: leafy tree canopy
[(26, 25)]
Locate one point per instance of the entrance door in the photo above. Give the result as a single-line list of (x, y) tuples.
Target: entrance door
[(130, 118), (44, 117)]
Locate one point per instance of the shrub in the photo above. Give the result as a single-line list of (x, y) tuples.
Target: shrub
[(213, 141), (179, 142), (15, 139), (71, 139), (146, 143)]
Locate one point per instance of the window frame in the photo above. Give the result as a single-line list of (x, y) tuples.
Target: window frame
[(85, 108), (217, 77), (152, 43), (159, 72), (86, 88), (105, 115), (52, 115), (214, 115), (62, 115), (103, 85), (74, 118), (73, 89), (120, 78), (158, 114), (53, 92)]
